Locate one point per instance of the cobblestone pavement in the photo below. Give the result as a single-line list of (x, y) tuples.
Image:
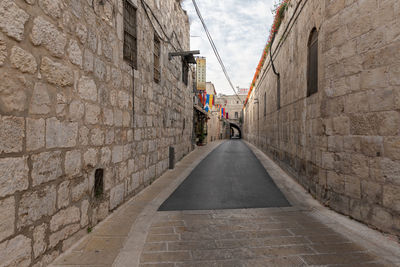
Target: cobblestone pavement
[(305, 234), (253, 237)]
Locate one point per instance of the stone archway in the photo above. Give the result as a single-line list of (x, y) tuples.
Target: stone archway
[(235, 126)]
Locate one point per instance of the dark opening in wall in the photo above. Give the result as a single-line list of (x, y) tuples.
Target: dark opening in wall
[(278, 92), (265, 104), (98, 183), (185, 71), (171, 157), (312, 68)]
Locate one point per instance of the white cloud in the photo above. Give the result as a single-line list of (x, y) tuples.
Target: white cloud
[(240, 31)]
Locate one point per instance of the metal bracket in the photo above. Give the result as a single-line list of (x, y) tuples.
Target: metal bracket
[(188, 55)]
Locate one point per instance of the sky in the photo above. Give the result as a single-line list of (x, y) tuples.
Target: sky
[(240, 30)]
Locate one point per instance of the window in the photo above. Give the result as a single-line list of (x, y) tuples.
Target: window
[(312, 69), (237, 102), (265, 104), (236, 115), (130, 40), (157, 53), (185, 71)]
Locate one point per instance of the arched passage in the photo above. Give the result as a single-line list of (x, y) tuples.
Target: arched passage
[(235, 126)]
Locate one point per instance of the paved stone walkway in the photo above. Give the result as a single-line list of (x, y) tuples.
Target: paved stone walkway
[(306, 234), (253, 237)]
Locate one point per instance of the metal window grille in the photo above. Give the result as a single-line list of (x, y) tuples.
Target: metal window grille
[(236, 115), (312, 77), (157, 53), (130, 34)]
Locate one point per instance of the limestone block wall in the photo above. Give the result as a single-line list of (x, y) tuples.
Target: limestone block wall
[(70, 105), (342, 143), (215, 127)]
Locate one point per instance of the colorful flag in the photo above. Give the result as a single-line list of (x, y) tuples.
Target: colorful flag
[(207, 105), (227, 115), (211, 101)]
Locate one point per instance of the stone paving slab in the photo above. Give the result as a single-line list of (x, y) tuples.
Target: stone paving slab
[(305, 234), (251, 237)]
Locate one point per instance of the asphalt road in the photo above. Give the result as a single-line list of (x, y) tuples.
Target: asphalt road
[(230, 177)]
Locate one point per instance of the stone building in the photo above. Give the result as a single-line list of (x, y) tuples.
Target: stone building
[(332, 117), (90, 104), (213, 123), (233, 105)]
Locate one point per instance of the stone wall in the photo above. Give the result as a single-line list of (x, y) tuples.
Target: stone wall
[(214, 127), (232, 104), (70, 105), (342, 143)]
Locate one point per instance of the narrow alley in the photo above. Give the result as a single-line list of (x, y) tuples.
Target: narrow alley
[(169, 133)]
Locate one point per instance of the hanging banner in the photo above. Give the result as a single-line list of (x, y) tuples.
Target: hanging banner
[(201, 73), (207, 106)]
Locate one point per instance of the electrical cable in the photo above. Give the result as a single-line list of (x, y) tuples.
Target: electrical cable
[(213, 46), (287, 29), (272, 60), (146, 7)]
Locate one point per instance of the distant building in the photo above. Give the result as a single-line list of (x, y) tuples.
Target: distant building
[(215, 127), (233, 105)]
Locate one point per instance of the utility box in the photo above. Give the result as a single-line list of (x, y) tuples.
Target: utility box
[(171, 157)]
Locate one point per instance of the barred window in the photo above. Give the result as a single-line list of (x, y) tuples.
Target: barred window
[(130, 38), (185, 71), (157, 53), (312, 69)]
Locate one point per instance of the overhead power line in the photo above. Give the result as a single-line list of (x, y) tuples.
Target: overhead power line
[(146, 7), (214, 48)]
